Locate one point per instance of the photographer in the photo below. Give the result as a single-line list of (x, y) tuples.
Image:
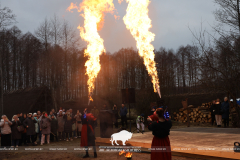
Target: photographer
[(140, 122), (5, 131), (16, 135)]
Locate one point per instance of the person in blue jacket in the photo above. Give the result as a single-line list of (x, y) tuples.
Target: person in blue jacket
[(225, 112), (123, 114)]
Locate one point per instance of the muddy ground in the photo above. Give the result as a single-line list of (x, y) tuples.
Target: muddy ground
[(47, 154)]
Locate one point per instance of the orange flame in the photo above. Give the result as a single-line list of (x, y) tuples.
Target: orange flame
[(93, 21), (138, 22), (122, 152), (128, 155)]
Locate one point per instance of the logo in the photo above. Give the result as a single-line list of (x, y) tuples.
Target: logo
[(121, 136)]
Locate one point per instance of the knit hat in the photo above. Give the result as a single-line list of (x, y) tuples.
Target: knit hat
[(142, 115)]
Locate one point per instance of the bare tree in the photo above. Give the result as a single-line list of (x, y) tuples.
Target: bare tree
[(6, 19)]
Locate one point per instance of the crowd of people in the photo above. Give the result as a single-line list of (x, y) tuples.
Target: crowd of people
[(31, 128), (41, 127), (220, 111)]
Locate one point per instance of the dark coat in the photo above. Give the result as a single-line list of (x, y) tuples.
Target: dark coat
[(218, 109), (48, 122), (123, 111), (31, 126), (225, 109), (68, 124), (54, 126), (21, 119), (115, 113), (61, 122), (15, 133), (212, 108)]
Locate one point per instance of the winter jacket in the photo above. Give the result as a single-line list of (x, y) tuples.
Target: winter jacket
[(5, 127), (212, 109), (68, 124), (61, 123), (31, 125), (123, 111), (36, 125), (115, 113), (15, 133), (46, 121), (218, 109), (225, 109), (140, 119), (54, 126), (50, 116)]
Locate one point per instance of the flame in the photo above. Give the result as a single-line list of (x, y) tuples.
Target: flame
[(128, 155), (93, 14), (122, 152), (138, 22), (120, 1)]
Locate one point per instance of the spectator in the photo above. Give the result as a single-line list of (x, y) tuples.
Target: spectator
[(123, 114), (95, 111), (61, 122), (37, 128), (212, 109), (140, 121), (45, 127), (20, 117), (78, 118), (115, 114), (24, 133), (5, 131), (29, 124), (54, 113), (64, 112), (74, 129), (16, 135), (39, 115), (70, 111), (68, 126), (160, 130), (51, 114), (218, 114), (225, 114), (54, 128)]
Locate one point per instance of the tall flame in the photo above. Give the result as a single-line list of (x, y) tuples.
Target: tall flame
[(138, 22), (93, 15)]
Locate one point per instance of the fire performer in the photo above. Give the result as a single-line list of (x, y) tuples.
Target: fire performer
[(88, 135), (161, 148)]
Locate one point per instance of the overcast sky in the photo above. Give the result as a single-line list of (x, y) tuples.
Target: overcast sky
[(171, 20)]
